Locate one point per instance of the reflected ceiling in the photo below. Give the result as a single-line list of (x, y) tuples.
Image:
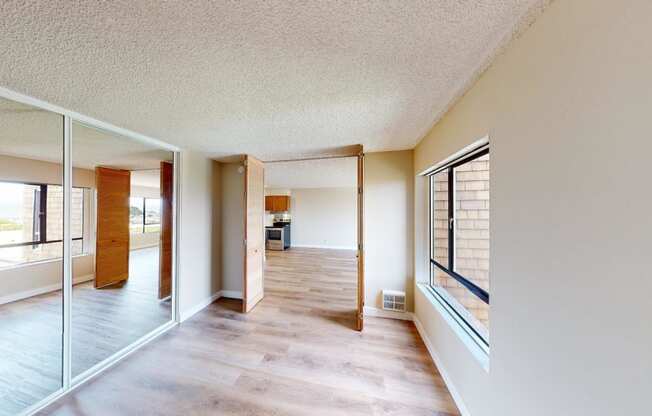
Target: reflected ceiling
[(31, 133)]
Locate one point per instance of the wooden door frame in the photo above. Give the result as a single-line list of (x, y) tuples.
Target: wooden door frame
[(356, 151), (246, 210)]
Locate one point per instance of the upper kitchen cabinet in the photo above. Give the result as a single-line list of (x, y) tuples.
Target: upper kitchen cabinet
[(277, 203)]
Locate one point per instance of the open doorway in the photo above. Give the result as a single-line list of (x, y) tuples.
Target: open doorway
[(311, 237)]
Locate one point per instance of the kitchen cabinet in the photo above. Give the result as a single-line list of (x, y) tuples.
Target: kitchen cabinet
[(277, 203)]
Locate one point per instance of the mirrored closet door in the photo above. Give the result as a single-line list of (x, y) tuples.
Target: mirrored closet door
[(31, 255), (122, 262), (86, 249)]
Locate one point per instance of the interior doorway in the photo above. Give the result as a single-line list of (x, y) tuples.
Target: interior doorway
[(313, 237)]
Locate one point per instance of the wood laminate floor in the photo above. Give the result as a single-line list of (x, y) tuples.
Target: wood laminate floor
[(102, 322), (294, 354)]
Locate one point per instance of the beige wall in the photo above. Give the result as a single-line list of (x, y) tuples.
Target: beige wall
[(29, 170), (388, 237), (216, 225), (232, 220), (567, 109), (198, 281), (324, 218)]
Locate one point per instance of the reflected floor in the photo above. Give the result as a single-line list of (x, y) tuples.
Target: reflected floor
[(103, 322)]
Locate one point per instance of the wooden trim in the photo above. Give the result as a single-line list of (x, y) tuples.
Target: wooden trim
[(360, 311), (250, 300), (165, 255), (336, 153), (244, 243)]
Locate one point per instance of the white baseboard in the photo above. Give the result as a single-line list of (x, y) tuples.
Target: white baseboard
[(442, 370), (381, 313), (326, 247), (42, 290), (185, 315), (231, 294)]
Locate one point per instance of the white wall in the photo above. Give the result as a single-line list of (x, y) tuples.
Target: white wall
[(389, 220), (324, 217), (232, 219), (198, 281), (567, 109)]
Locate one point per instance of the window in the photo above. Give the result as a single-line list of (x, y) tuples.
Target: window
[(136, 214), (459, 238), (144, 215), (31, 222), (152, 215)]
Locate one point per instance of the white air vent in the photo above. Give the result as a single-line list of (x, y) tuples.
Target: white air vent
[(393, 300)]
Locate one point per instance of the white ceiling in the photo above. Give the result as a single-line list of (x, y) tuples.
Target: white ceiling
[(146, 178), (322, 173), (274, 79)]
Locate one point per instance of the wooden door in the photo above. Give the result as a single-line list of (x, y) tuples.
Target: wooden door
[(254, 233), (112, 242), (165, 246), (360, 311)]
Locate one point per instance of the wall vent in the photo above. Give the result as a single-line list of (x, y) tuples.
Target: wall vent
[(393, 300)]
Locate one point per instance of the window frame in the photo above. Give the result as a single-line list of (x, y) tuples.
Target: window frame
[(42, 217), (477, 291)]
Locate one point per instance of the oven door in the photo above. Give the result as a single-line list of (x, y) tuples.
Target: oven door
[(274, 240)]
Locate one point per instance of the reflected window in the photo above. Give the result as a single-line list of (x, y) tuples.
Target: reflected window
[(31, 222), (144, 215), (152, 215), (136, 214)]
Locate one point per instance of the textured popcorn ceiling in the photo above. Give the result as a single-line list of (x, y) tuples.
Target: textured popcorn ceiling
[(274, 79), (323, 173)]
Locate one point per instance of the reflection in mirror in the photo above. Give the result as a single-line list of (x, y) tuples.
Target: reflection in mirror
[(122, 276), (31, 270)]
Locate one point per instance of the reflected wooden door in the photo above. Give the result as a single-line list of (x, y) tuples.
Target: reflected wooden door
[(112, 242), (254, 233), (165, 246)]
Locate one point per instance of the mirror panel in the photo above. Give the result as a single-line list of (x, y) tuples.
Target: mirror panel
[(31, 253), (121, 277)]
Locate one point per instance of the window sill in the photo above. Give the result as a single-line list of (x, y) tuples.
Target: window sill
[(479, 351)]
